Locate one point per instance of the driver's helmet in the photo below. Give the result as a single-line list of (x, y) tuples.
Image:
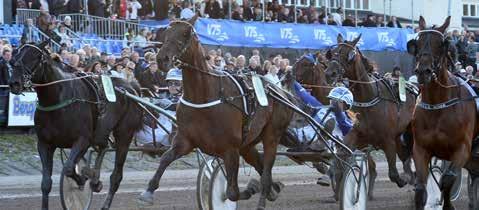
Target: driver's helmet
[(174, 74), (342, 94)]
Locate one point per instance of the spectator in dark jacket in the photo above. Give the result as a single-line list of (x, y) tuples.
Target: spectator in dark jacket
[(96, 8), (151, 78), (370, 21), (247, 11), (146, 8), (285, 17), (461, 50), (76, 6), (161, 9), (56, 7), (349, 21), (238, 14), (394, 23), (213, 9), (6, 67)]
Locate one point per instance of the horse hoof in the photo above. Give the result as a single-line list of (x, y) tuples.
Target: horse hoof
[(401, 183), (146, 199), (254, 186), (97, 187), (278, 186)]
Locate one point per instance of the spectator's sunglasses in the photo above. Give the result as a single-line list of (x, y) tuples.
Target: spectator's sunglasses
[(175, 83)]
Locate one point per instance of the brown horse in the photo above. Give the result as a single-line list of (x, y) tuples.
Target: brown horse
[(310, 71), (382, 119), (445, 119), (213, 117)]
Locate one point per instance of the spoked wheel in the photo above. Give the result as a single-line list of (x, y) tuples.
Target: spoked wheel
[(203, 185), (473, 194), (443, 166), (434, 200), (72, 196), (217, 196), (353, 191)]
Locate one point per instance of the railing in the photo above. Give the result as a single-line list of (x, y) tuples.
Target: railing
[(103, 27), (54, 46), (24, 14)]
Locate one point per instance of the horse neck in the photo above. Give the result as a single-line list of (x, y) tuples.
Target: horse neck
[(198, 87), (51, 94), (320, 93), (433, 92), (361, 92)]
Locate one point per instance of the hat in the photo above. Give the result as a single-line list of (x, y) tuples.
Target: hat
[(174, 74), (463, 71)]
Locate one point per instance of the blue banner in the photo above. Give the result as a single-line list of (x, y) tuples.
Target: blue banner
[(297, 36)]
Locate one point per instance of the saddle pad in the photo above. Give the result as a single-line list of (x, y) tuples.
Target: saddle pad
[(471, 91), (108, 88), (402, 89), (259, 90)]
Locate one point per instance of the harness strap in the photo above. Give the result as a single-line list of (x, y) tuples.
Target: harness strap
[(200, 106), (371, 103), (56, 106), (442, 105)]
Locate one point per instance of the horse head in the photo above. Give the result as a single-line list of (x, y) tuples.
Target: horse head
[(431, 51), (28, 59), (342, 59), (310, 70), (177, 40)]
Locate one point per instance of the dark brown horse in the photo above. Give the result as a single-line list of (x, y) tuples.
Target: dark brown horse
[(446, 120), (213, 117), (382, 119), (67, 117), (310, 71)]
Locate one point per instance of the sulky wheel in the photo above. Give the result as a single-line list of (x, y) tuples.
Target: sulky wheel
[(217, 196), (203, 185), (72, 196), (473, 194), (353, 189), (434, 200), (353, 194)]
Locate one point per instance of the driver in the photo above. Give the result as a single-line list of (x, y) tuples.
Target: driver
[(341, 99), (145, 136)]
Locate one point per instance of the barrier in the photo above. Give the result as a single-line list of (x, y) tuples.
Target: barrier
[(24, 14), (297, 36)]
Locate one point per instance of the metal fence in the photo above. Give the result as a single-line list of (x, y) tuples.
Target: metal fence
[(103, 27), (24, 14)]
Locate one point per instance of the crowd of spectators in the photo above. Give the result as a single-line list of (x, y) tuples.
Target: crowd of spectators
[(465, 48)]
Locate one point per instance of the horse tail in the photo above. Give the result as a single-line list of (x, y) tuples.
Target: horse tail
[(407, 141)]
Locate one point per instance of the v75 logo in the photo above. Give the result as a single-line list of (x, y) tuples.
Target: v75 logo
[(214, 29)]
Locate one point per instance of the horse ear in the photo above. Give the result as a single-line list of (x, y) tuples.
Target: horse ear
[(422, 23), (444, 26), (329, 55), (355, 41), (340, 38), (193, 20), (44, 43), (412, 47)]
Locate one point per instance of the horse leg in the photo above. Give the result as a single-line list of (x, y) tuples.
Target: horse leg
[(421, 161), (372, 176), (390, 151), (251, 155), (79, 148), (270, 145), (404, 154), (446, 183), (46, 155), (123, 140), (231, 162), (181, 146)]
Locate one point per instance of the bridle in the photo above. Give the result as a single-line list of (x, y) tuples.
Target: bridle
[(28, 74), (312, 73), (427, 50)]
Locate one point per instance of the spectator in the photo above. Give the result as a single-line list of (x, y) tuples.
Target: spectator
[(248, 14), (455, 37), (6, 67), (129, 71), (151, 79), (337, 19), (380, 21), (283, 63), (95, 7), (133, 7), (28, 34), (187, 12), (469, 72), (285, 17), (241, 64), (67, 22), (146, 9), (254, 67), (272, 75), (471, 50), (140, 39), (230, 66), (75, 61), (396, 72), (175, 9), (349, 21), (103, 59), (212, 9), (65, 39), (461, 49), (217, 65), (65, 56), (394, 23), (238, 14), (226, 9), (118, 71), (370, 21), (258, 14)]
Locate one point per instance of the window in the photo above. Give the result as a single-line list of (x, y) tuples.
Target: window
[(366, 4), (357, 4), (465, 9), (473, 10)]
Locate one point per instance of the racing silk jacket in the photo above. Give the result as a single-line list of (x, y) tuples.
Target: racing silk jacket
[(343, 122)]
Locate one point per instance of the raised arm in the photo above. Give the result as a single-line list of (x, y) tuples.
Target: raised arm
[(306, 96)]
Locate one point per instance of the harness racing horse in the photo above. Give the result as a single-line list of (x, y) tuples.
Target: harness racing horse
[(310, 71), (212, 117), (382, 118), (445, 121), (66, 116)]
